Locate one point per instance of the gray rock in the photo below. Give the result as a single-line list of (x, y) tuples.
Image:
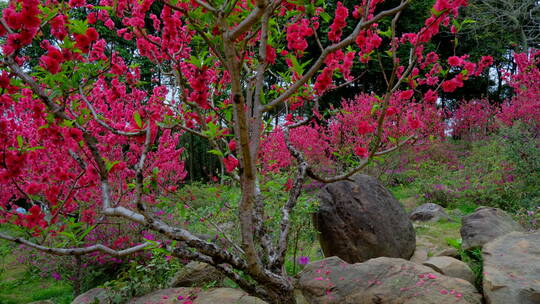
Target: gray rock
[(198, 296), (451, 267), (361, 220), (512, 269), (94, 295), (429, 212), (383, 281), (484, 225), (226, 296), (450, 252), (421, 254), (197, 274)]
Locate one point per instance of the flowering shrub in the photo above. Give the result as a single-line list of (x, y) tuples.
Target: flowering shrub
[(349, 132), (525, 105), (474, 120), (478, 118)]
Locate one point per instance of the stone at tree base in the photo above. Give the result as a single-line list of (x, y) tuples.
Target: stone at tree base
[(512, 269), (451, 267), (226, 296), (94, 295), (450, 252), (198, 296), (485, 224), (197, 274), (429, 212), (361, 220), (383, 281), (421, 254)]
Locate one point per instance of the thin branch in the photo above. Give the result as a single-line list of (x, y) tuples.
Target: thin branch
[(397, 146), (207, 6), (246, 24), (326, 180), (286, 210), (229, 240), (75, 251)]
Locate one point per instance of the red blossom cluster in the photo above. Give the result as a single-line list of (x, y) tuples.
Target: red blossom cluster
[(339, 22), (23, 18), (52, 59), (296, 35), (367, 41)]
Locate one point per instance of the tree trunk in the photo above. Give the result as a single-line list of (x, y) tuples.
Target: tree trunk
[(281, 296)]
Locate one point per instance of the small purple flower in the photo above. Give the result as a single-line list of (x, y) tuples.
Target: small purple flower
[(56, 276), (148, 236), (303, 260)]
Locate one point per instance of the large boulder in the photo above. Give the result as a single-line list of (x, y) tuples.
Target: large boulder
[(429, 212), (512, 269), (197, 274), (197, 296), (451, 267), (383, 281), (484, 225), (360, 219)]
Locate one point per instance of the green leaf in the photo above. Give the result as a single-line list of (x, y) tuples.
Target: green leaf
[(35, 148), (20, 141), (109, 165), (216, 152), (137, 118), (296, 66), (100, 7), (78, 26), (387, 33), (68, 123), (374, 108), (326, 17), (435, 12), (85, 233)]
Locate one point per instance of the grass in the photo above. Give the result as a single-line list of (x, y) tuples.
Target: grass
[(402, 192), (18, 285)]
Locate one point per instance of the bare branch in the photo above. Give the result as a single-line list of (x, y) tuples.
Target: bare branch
[(76, 251), (397, 146), (246, 24), (286, 210), (326, 180)]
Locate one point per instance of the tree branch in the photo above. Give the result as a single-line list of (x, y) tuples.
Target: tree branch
[(76, 251)]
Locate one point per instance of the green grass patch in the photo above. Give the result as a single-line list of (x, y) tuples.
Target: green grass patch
[(18, 285)]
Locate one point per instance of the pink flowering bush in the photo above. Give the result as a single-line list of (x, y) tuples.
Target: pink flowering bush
[(474, 120), (479, 118), (525, 105)]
